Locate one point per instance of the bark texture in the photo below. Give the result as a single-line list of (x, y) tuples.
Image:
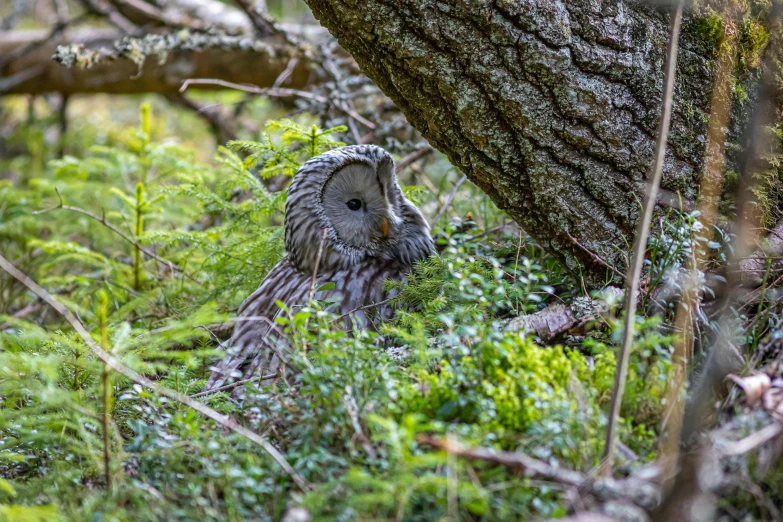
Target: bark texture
[(550, 107)]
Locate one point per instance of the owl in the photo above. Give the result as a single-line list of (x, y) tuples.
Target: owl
[(346, 222)]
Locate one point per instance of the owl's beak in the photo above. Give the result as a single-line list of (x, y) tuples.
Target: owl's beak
[(385, 226)]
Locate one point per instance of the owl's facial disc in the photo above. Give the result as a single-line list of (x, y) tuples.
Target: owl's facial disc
[(360, 204)]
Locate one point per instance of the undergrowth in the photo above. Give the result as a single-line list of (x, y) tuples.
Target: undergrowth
[(348, 414)]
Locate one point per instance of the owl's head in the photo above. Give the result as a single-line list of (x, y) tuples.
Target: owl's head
[(352, 193)]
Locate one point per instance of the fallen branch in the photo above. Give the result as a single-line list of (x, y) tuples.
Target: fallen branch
[(639, 492), (107, 61), (559, 318), (754, 440), (131, 374), (530, 466), (232, 385)]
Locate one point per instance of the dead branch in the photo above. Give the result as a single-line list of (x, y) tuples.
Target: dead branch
[(449, 199), (260, 20), (100, 61), (636, 491), (233, 385), (754, 440), (530, 466), (559, 318), (107, 11), (413, 157), (197, 15)]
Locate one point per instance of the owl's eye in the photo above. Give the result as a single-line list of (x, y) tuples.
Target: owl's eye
[(354, 204)]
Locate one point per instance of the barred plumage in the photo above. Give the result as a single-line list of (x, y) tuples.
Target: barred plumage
[(373, 233)]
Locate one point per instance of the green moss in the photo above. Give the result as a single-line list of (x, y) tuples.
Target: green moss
[(709, 29), (753, 40)]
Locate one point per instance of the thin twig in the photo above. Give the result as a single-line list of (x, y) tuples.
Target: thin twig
[(281, 92), (413, 157), (531, 466), (637, 261), (131, 374), (262, 23), (278, 92), (754, 440), (317, 262), (112, 15), (365, 307), (286, 74), (232, 385), (102, 220), (352, 407), (150, 14), (685, 322), (448, 201), (594, 256)]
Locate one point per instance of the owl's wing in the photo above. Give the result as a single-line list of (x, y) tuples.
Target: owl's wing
[(362, 291), (258, 345), (257, 339)]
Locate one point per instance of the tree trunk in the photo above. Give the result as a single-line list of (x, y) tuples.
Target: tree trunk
[(550, 107)]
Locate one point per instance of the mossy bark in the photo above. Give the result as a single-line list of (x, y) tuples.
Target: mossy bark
[(550, 107)]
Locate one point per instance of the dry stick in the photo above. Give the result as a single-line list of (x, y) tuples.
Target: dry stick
[(131, 374), (113, 16), (317, 262), (414, 156), (365, 307), (286, 74), (231, 386), (531, 466), (635, 269), (278, 92), (754, 440), (448, 201), (594, 256), (102, 220), (257, 17)]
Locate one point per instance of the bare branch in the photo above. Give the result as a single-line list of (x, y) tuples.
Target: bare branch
[(278, 92), (261, 21), (413, 157), (448, 201), (532, 467), (102, 60), (111, 14)]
